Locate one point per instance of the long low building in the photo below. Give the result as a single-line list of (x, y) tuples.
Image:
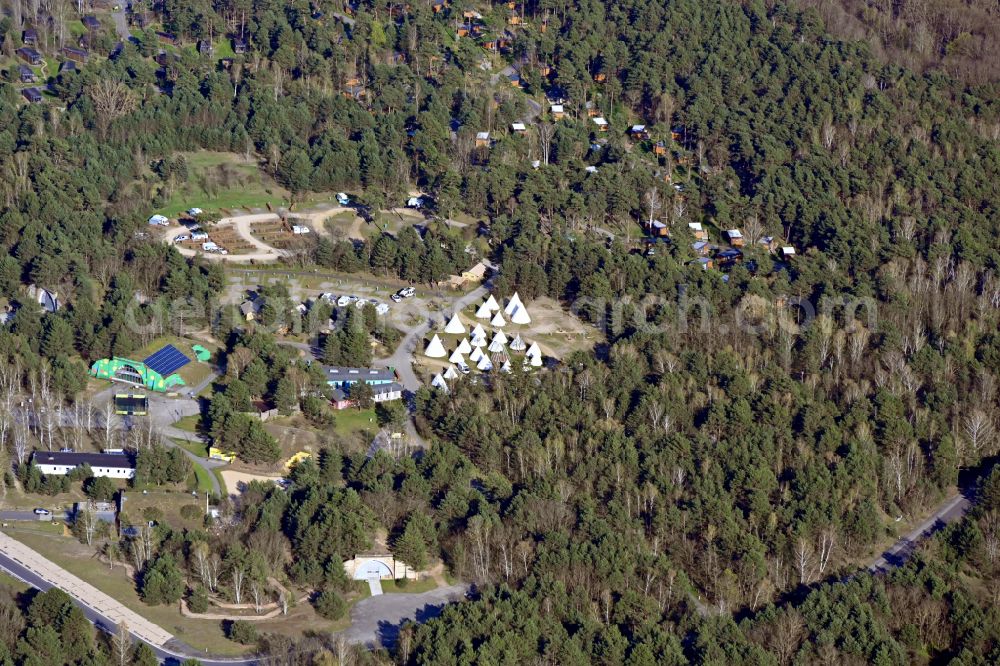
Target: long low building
[(60, 463), (342, 378)]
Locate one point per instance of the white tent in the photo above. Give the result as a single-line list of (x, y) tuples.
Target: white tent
[(464, 347), (492, 304), (477, 354), (517, 344), (478, 332), (513, 304), (534, 351), (479, 342), (520, 316), (485, 364), (456, 357), (451, 373), (505, 367), (534, 361), (484, 312), (435, 349), (455, 325), (498, 321), (439, 382), (501, 337), (496, 346)]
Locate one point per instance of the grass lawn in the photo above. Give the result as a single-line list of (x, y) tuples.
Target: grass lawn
[(189, 424), (353, 420), (217, 471), (410, 587), (168, 504), (223, 181), (76, 558), (203, 478), (13, 584), (197, 448)]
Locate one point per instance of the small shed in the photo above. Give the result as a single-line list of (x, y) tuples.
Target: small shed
[(33, 95), (26, 74), (558, 112), (602, 124), (482, 139)]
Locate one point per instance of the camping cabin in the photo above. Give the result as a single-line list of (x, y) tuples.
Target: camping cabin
[(518, 128), (558, 112), (787, 252), (482, 140), (515, 79), (701, 248), (602, 124), (658, 229), (639, 133), (768, 243), (729, 257), (33, 95), (26, 74), (660, 148), (29, 37), (67, 66), (239, 45), (735, 237), (90, 23), (698, 231), (76, 55), (30, 56)]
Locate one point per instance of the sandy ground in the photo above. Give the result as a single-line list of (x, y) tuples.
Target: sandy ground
[(317, 220), (235, 480), (242, 224)]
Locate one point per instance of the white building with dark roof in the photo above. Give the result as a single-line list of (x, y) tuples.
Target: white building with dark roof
[(61, 463)]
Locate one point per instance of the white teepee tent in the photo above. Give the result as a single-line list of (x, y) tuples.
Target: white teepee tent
[(464, 347), (435, 349), (484, 312), (479, 342), (535, 361), (501, 337), (520, 316), (505, 367), (478, 332), (517, 344), (456, 357), (534, 351), (496, 346), (455, 325), (492, 304), (451, 373), (485, 364), (477, 354), (498, 321), (439, 382), (513, 304)]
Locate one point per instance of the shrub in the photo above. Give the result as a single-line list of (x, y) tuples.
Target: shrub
[(152, 513), (191, 512), (242, 631), (330, 605), (198, 600)]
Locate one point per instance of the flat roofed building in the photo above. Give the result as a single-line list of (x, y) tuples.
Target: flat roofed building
[(342, 377), (60, 463)]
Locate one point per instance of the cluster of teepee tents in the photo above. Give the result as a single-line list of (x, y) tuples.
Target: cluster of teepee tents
[(471, 346)]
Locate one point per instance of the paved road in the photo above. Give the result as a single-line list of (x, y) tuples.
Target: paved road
[(103, 611), (30, 515), (376, 621), (121, 23), (949, 511)]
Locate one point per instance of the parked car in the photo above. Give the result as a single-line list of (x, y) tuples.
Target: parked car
[(42, 512), (343, 301), (464, 368), (407, 292), (181, 238), (396, 298)]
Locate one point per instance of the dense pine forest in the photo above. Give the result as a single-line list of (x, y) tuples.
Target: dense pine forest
[(701, 487)]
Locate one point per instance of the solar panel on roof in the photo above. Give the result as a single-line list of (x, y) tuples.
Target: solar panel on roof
[(167, 360)]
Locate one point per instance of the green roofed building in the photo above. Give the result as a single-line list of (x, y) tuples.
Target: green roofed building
[(135, 373)]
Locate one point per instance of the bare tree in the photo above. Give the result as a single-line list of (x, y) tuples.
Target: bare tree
[(88, 521), (978, 428), (111, 99), (121, 645), (804, 560), (238, 575), (546, 131), (827, 539)]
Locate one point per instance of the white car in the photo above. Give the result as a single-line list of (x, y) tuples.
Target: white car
[(396, 298), (42, 512), (382, 308), (407, 292), (343, 301), (464, 368), (360, 303), (181, 238)]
